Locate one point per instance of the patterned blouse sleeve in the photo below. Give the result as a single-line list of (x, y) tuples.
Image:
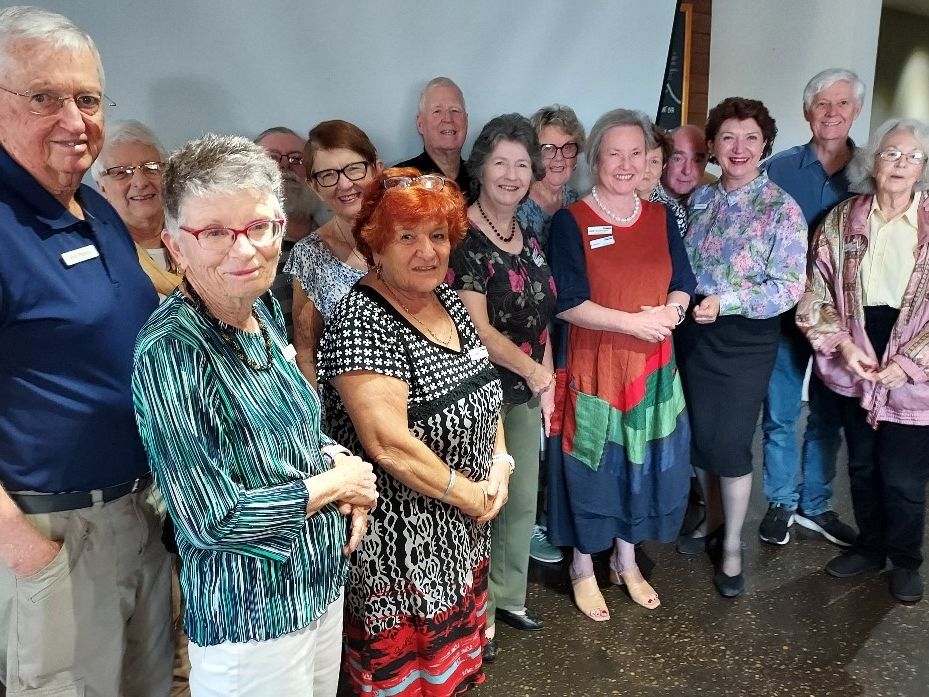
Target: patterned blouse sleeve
[(784, 271), (566, 259), (469, 268), (174, 394), (301, 265), (361, 336)]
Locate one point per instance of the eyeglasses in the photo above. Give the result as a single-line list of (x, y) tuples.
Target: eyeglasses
[(330, 177), (123, 172), (432, 182), (261, 233), (48, 103), (568, 150), (892, 155), (294, 159)]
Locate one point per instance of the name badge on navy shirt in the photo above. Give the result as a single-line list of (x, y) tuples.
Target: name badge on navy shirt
[(290, 353), (76, 256), (478, 353)]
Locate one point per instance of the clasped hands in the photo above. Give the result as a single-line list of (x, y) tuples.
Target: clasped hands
[(497, 490), (358, 495), (891, 376), (653, 323)]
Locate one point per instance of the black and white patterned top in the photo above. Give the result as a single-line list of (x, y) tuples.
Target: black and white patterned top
[(420, 554)]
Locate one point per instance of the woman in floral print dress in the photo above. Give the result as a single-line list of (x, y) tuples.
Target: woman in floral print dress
[(747, 243)]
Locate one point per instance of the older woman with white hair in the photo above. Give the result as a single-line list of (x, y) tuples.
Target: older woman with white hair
[(865, 311), (232, 432), (623, 283), (128, 174)]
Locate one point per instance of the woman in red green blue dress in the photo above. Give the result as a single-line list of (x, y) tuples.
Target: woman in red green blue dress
[(624, 283)]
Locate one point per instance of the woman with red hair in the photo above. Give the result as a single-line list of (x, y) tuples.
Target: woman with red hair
[(405, 378)]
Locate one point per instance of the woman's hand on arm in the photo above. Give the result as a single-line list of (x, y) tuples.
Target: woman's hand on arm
[(501, 349), (308, 328), (707, 310), (891, 376), (377, 405), (858, 361)]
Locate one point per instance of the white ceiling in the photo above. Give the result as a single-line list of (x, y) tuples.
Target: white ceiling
[(919, 7)]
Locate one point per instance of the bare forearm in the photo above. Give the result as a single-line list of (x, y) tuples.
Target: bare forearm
[(505, 353), (590, 315), (17, 536)]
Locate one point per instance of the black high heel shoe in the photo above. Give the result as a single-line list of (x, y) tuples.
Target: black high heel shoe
[(729, 586), (688, 544)]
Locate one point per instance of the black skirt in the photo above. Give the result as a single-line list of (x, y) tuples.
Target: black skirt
[(725, 368)]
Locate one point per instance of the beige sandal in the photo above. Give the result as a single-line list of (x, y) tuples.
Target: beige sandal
[(639, 589), (589, 599)]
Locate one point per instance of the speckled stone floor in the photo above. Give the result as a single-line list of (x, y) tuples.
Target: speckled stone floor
[(795, 631)]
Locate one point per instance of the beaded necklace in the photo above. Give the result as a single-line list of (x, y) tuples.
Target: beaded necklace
[(227, 337)]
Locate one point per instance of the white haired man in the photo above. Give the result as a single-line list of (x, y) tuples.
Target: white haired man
[(798, 485), (84, 577), (442, 121)]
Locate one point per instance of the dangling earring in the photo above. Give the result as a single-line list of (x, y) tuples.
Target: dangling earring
[(377, 271)]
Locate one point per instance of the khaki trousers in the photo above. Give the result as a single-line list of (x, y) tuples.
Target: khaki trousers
[(511, 530), (95, 622)]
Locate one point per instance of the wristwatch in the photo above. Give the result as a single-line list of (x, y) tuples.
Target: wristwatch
[(681, 312)]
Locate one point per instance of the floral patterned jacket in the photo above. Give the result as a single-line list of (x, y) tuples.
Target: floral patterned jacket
[(831, 311)]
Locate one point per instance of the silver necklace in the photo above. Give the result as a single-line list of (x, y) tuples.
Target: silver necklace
[(637, 206)]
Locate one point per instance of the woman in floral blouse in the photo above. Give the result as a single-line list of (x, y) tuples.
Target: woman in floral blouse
[(503, 279), (747, 243)]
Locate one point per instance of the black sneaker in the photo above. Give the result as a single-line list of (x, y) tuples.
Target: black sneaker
[(829, 526), (774, 526)]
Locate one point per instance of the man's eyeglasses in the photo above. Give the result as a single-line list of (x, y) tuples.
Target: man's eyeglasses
[(330, 177), (568, 150), (261, 233), (892, 155), (433, 182), (294, 159), (48, 103), (123, 172)]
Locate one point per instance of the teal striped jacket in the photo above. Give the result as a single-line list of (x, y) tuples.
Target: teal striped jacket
[(229, 447)]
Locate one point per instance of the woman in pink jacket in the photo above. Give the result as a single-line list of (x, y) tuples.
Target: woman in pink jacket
[(866, 313)]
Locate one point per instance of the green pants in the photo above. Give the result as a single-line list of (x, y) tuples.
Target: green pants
[(512, 528)]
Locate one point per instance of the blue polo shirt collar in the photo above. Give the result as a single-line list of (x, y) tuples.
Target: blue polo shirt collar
[(37, 199), (810, 157)]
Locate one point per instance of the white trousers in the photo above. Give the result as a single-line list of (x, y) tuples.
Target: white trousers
[(304, 663)]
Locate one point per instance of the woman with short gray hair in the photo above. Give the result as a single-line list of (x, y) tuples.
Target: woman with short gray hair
[(561, 141), (865, 312), (231, 428), (504, 281), (128, 174), (616, 476)]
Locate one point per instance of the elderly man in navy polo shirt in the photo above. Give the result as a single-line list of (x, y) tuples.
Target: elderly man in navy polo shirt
[(799, 486), (84, 578)]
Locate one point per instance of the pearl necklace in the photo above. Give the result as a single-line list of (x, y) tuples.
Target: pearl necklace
[(637, 206), (445, 342), (494, 227)]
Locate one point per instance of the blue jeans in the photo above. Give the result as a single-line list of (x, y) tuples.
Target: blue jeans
[(788, 479)]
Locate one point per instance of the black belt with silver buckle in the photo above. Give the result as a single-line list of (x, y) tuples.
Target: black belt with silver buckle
[(73, 500)]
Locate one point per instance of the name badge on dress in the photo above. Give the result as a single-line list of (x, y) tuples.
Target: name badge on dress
[(538, 259), (289, 352), (76, 256), (478, 353), (700, 206), (600, 230), (601, 242)]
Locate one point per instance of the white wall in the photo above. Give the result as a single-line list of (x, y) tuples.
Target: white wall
[(769, 50), (238, 66)]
